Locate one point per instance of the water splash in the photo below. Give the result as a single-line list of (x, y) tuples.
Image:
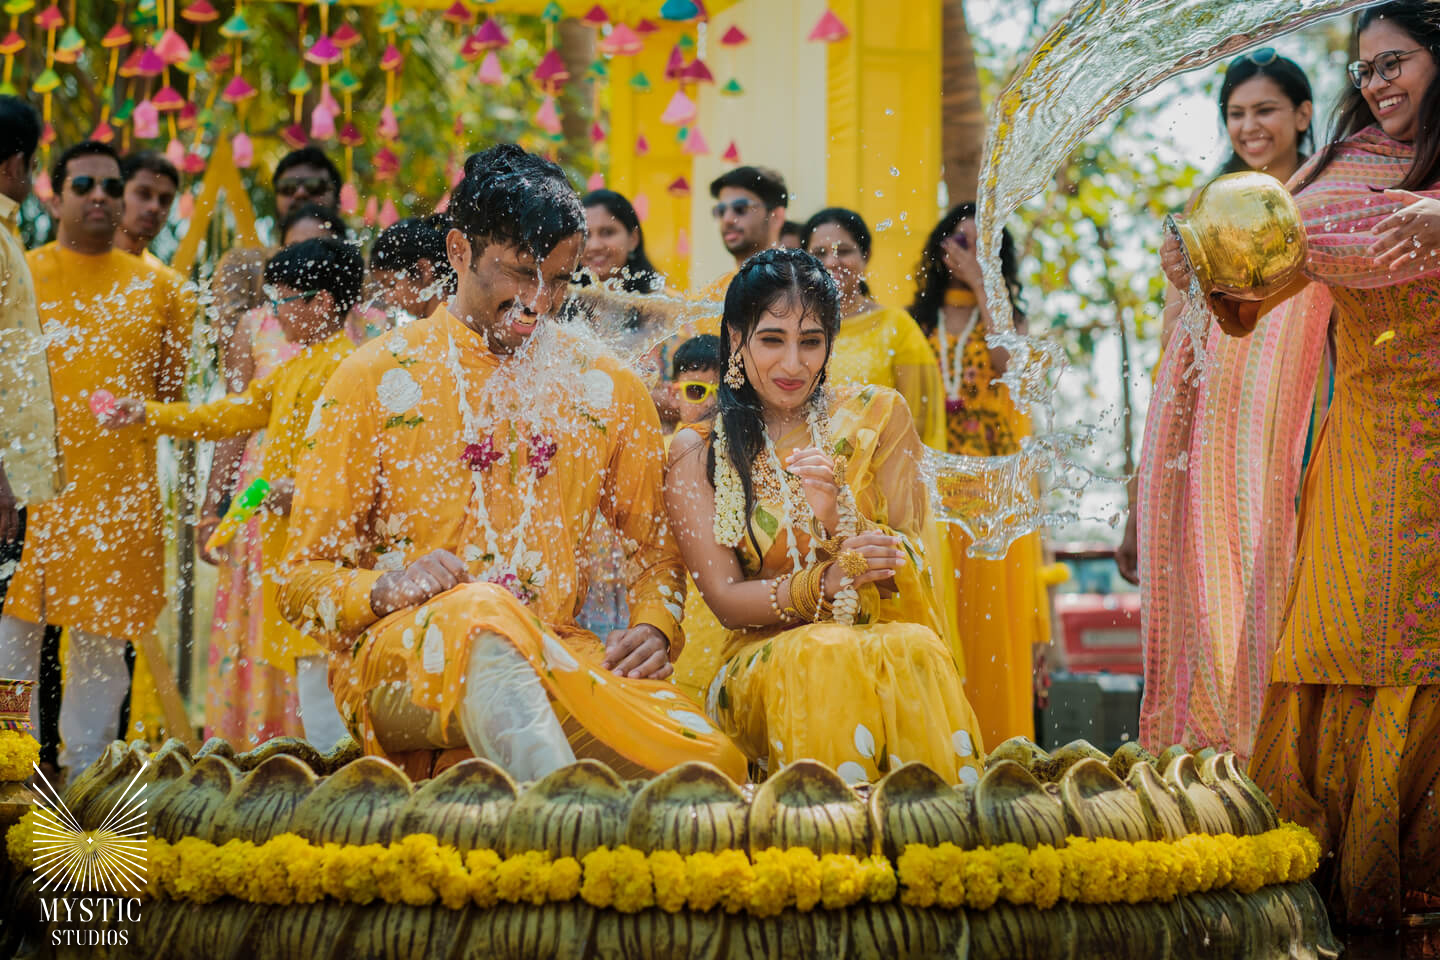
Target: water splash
[(1098, 57)]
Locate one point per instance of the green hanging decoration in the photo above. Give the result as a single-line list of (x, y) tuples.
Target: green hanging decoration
[(299, 83), (640, 83)]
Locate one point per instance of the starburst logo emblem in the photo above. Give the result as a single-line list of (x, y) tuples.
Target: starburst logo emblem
[(108, 859)]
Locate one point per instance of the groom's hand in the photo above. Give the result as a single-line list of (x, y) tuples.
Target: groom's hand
[(641, 653), (432, 574)]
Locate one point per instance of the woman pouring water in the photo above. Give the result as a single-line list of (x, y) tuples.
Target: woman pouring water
[(1346, 741)]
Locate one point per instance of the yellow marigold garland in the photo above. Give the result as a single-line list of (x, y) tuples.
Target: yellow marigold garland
[(419, 870), (18, 753)]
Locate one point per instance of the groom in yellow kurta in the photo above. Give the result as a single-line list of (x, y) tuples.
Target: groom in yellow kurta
[(457, 465)]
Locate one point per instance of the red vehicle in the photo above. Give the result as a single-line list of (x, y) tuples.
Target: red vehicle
[(1097, 614)]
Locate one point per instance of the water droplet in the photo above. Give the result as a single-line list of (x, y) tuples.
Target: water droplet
[(894, 171)]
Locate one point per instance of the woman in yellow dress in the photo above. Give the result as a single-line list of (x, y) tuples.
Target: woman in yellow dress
[(815, 567), (1002, 605)]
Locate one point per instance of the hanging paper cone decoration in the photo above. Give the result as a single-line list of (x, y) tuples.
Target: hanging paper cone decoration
[(700, 12), (731, 154), (193, 64), (596, 16), (328, 100), (551, 71), (392, 59), (547, 118), (734, 37), (349, 199), (597, 70), (42, 187), (697, 72), (675, 63), (553, 13), (386, 164), (71, 43), (12, 44), (372, 207), (188, 115), (194, 163), (103, 133), (642, 146), (200, 12), (680, 111), (323, 51), (622, 42), (682, 243), (47, 135), (322, 122), (642, 206), (388, 214), (345, 81), (491, 36), (125, 110), (168, 100), (237, 90), (732, 88), (175, 151), (390, 21), (679, 187), (457, 12), (149, 63), (829, 28), (186, 204), (640, 83), (116, 37), (220, 64), (299, 83), (389, 127), (596, 182), (50, 18), (470, 50), (294, 136), (46, 82), (679, 10), (686, 43), (172, 48), (236, 28), (242, 151), (597, 133), (345, 36), (645, 27), (695, 144), (131, 66), (490, 71), (351, 136)]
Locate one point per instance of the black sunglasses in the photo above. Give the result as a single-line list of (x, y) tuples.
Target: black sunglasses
[(83, 184), (741, 207), (314, 186), (1262, 57)]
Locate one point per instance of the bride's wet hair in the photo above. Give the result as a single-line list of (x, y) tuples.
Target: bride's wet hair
[(517, 199), (782, 282)]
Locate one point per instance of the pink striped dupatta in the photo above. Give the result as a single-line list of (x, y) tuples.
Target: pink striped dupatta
[(1220, 473)]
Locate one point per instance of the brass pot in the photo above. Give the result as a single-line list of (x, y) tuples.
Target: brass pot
[(1244, 237)]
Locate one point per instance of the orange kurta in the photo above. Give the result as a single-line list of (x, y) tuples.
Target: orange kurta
[(386, 483), (93, 556)]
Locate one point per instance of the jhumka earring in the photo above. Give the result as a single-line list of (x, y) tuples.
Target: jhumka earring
[(735, 372)]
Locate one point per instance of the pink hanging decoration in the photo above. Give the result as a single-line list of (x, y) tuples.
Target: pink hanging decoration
[(172, 48), (322, 123), (349, 199), (596, 182), (237, 89), (323, 50), (622, 42), (645, 27), (328, 101), (734, 37), (551, 71), (454, 173), (679, 187), (547, 118), (42, 187), (682, 243), (829, 28), (194, 163), (149, 63), (175, 152), (386, 163), (596, 17), (444, 203), (350, 135), (642, 146), (490, 71), (695, 144), (146, 120), (392, 59), (731, 154), (388, 214), (680, 111), (103, 133), (597, 133), (389, 126), (697, 72), (372, 211), (491, 36), (186, 205), (168, 99), (675, 63), (295, 136), (642, 205), (242, 150), (188, 115)]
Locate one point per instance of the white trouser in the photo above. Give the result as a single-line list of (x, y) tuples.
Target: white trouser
[(318, 713), (505, 714), (95, 679)]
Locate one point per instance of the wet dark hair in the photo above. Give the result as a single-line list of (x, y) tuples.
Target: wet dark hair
[(320, 263), (1287, 75), (765, 183), (933, 277), (327, 217), (309, 157), (406, 242), (792, 228), (19, 128), (847, 220), (1421, 20), (85, 148), (640, 274), (775, 279), (515, 199), (700, 352), (133, 163)]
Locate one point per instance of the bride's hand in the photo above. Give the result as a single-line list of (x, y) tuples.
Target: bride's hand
[(883, 556), (817, 472), (1173, 262)]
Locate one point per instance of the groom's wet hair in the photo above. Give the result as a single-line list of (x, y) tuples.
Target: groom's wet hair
[(517, 199), (322, 263)]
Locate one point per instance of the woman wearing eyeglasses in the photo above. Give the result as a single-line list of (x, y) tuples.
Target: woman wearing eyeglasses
[(1351, 719), (1216, 539)]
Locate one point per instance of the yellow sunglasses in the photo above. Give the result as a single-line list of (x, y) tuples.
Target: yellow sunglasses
[(696, 391)]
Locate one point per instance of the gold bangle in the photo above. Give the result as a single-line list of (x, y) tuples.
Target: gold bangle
[(804, 594)]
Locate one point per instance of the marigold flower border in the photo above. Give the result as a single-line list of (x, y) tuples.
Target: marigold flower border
[(419, 870), (19, 751)]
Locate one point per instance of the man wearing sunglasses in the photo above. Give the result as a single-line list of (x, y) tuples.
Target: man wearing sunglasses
[(749, 208), (93, 558)]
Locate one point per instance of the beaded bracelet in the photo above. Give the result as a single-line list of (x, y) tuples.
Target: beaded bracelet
[(784, 616)]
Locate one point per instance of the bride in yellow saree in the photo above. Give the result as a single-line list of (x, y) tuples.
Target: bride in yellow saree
[(800, 517)]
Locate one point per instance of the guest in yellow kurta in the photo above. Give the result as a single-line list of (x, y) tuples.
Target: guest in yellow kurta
[(151, 183), (1002, 605), (93, 559), (800, 520), (314, 284), (458, 465)]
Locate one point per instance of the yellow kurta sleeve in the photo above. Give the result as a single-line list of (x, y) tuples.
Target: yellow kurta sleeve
[(917, 379), (336, 484), (632, 500), (179, 320), (236, 413)]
